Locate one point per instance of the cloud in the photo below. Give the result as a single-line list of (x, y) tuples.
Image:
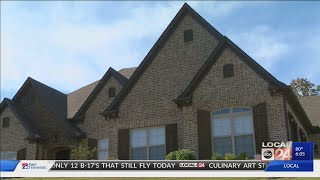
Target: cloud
[(263, 44), (57, 43)]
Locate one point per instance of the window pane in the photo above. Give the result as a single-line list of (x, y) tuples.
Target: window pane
[(241, 109), (222, 111), (222, 145), (156, 136), (221, 126), (103, 155), (138, 138), (157, 152), (103, 144), (244, 144), (139, 153), (8, 155), (243, 124)]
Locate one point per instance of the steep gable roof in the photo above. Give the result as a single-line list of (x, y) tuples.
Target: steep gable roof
[(212, 59), (55, 102), (21, 116), (185, 10), (110, 73)]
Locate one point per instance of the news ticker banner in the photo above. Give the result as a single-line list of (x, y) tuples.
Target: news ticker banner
[(275, 157)]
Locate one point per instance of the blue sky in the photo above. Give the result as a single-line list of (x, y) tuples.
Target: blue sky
[(67, 45)]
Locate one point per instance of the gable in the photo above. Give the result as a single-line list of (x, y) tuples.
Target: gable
[(246, 83), (45, 108), (171, 46), (224, 44), (112, 75), (10, 109), (14, 123)]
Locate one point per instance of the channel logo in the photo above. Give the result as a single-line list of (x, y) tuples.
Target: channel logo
[(267, 154), (192, 165), (276, 151)]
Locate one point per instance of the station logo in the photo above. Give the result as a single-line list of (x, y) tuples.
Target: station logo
[(276, 151)]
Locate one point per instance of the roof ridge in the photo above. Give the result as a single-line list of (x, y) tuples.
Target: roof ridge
[(185, 10), (25, 123), (111, 72), (83, 87), (214, 56)]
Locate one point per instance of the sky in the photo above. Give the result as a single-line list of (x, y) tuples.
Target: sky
[(68, 45)]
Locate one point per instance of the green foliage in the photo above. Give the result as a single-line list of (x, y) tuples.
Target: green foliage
[(303, 87), (243, 156), (82, 152), (230, 156), (183, 154), (216, 156), (172, 156)]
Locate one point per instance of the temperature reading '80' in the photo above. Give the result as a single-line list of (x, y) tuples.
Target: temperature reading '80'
[(299, 151)]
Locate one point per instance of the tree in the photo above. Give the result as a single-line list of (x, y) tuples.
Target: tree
[(82, 152), (303, 87)]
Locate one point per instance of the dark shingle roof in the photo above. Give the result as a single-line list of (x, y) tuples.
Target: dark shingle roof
[(311, 105), (21, 116), (55, 103)]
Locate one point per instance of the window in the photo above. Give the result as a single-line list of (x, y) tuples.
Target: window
[(232, 130), (103, 149), (8, 155), (188, 35), (112, 92), (228, 70), (148, 143), (6, 122)]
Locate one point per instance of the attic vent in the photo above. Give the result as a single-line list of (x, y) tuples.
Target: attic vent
[(228, 70), (112, 92), (6, 122), (188, 35)]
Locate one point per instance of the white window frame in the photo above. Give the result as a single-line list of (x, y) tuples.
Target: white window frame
[(147, 139), (232, 114), (3, 154), (104, 150)]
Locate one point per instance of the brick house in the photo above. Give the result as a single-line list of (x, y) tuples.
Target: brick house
[(195, 89)]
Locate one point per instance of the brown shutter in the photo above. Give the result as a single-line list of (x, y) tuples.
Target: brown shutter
[(204, 134), (171, 138), (123, 144), (93, 143), (260, 125), (22, 154)]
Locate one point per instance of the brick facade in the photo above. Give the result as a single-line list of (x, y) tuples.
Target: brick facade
[(13, 137), (150, 101)]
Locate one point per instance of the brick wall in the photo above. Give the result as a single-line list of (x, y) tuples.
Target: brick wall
[(246, 88), (95, 125), (150, 101), (13, 137)]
